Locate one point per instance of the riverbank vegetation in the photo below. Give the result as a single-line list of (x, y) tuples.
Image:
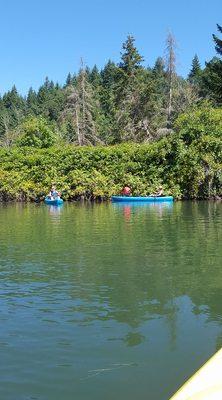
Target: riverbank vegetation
[(125, 124)]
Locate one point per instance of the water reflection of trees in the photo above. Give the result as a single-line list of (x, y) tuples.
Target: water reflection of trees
[(127, 269)]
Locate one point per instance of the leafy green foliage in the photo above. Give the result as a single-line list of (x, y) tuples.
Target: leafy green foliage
[(201, 121), (36, 132), (192, 171)]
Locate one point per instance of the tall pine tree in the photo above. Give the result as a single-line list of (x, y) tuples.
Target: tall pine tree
[(130, 58), (212, 76), (218, 41), (195, 72), (32, 102), (15, 106), (128, 125), (159, 67)]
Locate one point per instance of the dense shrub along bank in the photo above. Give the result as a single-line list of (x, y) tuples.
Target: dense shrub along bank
[(185, 170)]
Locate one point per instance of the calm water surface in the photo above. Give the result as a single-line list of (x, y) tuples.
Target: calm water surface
[(107, 301)]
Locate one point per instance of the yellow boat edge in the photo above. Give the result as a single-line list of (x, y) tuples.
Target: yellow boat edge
[(205, 384)]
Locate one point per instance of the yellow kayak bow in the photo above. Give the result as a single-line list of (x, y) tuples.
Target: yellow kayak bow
[(205, 384)]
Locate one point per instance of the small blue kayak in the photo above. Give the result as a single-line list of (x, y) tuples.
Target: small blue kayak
[(53, 202), (130, 199)]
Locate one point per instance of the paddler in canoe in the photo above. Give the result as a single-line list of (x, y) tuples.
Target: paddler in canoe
[(54, 194), (159, 192), (126, 191), (54, 197)]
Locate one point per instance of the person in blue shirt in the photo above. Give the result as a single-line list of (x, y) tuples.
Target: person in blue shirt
[(53, 194)]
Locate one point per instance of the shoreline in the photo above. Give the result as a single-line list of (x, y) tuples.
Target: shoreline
[(100, 201)]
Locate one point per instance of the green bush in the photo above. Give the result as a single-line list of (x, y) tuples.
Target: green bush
[(200, 122), (36, 132), (185, 171)]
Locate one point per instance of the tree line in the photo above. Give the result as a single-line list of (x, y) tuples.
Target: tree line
[(123, 101)]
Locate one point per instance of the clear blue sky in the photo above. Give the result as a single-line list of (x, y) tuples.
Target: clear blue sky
[(48, 37)]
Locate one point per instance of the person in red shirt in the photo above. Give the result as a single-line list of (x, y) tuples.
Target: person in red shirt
[(126, 191)]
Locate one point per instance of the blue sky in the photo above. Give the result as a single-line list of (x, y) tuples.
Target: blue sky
[(47, 38)]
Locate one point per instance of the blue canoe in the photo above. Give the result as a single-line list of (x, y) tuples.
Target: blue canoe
[(54, 202), (147, 199)]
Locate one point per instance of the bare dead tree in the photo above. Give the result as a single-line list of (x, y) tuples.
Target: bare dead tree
[(79, 107), (87, 106), (9, 135), (71, 111), (82, 82), (185, 95), (170, 60)]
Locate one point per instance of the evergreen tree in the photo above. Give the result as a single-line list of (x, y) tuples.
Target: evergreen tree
[(130, 58), (158, 98), (212, 81), (195, 72), (51, 85), (47, 83), (109, 74), (218, 41), (128, 125), (95, 77), (32, 102), (50, 98), (107, 100), (13, 100), (4, 119), (15, 106), (56, 103), (69, 79), (212, 75), (43, 97), (159, 67)]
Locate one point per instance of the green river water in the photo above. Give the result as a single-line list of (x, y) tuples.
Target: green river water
[(107, 301)]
